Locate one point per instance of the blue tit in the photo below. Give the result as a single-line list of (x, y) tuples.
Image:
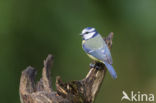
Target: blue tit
[(96, 48)]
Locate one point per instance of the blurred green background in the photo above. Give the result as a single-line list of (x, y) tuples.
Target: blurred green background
[(31, 29)]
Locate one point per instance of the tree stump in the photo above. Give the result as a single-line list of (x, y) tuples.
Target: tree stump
[(81, 91)]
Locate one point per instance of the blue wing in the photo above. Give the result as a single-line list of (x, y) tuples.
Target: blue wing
[(102, 54), (87, 50)]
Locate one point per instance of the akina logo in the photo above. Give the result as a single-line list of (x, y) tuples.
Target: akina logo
[(137, 97)]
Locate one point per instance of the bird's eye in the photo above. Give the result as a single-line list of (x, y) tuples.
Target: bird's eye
[(86, 32)]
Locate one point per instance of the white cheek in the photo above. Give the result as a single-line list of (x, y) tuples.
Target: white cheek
[(88, 36)]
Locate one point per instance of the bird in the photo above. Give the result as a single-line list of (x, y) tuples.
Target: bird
[(96, 48)]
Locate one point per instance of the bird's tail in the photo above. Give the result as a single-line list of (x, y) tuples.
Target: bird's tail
[(111, 70)]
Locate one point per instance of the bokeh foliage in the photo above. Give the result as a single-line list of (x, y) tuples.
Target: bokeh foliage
[(31, 29)]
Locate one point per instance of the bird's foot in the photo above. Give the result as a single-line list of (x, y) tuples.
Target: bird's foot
[(95, 65), (92, 65)]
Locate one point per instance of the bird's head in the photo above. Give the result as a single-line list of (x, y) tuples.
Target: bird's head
[(88, 33)]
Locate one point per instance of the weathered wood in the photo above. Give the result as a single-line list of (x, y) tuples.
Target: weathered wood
[(81, 91)]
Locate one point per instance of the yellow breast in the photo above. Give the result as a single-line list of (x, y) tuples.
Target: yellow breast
[(94, 58)]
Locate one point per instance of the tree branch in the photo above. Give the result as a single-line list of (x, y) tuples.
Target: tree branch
[(81, 91)]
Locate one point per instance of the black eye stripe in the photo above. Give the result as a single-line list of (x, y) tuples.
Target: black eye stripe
[(87, 32)]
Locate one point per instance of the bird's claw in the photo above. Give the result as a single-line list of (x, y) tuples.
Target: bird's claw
[(92, 65), (96, 66)]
